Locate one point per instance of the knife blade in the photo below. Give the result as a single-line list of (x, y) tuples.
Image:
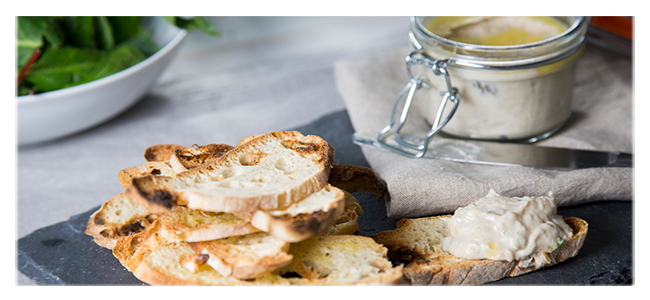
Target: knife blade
[(505, 154)]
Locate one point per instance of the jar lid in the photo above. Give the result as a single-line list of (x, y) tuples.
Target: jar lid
[(526, 55)]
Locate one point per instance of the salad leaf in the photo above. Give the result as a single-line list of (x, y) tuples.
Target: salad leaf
[(31, 31), (70, 66), (112, 62), (196, 23), (105, 37), (60, 67), (143, 41), (124, 28), (80, 31)]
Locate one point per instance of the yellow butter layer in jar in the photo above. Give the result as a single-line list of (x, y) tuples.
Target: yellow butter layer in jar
[(496, 31)]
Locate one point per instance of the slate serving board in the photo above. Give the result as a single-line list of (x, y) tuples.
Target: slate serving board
[(62, 254)]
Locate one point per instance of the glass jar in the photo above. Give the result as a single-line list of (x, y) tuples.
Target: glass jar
[(516, 93)]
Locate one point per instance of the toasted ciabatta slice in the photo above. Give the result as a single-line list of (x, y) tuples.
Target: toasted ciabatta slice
[(247, 139), (420, 241), (162, 168), (343, 259), (349, 178), (186, 224), (347, 223), (188, 158), (161, 152), (357, 179), (117, 218), (313, 216), (267, 173), (157, 261), (245, 257)]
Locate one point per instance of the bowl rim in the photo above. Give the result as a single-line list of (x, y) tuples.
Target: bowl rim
[(53, 95)]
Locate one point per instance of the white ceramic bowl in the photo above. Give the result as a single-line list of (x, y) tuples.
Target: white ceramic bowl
[(55, 114)]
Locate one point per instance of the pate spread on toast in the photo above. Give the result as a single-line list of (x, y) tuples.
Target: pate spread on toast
[(418, 244)]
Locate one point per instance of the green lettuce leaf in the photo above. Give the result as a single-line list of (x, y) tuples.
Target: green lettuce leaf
[(196, 23), (105, 38), (70, 66), (30, 35), (124, 28), (80, 31)]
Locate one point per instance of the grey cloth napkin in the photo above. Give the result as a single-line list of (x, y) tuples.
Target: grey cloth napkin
[(601, 120)]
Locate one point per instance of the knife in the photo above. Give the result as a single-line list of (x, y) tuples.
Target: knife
[(502, 154)]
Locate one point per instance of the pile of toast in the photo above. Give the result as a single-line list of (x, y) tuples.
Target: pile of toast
[(275, 210), (272, 210)]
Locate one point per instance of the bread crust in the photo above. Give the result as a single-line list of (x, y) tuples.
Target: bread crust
[(185, 224), (347, 223), (442, 268), (353, 179), (133, 249), (248, 139), (157, 196), (161, 152), (233, 257), (150, 168), (105, 227), (188, 158), (300, 227)]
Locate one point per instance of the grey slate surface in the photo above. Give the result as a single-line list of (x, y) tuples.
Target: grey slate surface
[(62, 254)]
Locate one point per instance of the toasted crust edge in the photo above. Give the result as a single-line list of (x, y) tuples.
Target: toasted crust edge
[(188, 158), (172, 230), (154, 197), (303, 226), (357, 179), (117, 231), (160, 152)]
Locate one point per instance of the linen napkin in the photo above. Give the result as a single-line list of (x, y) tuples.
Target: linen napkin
[(601, 120)]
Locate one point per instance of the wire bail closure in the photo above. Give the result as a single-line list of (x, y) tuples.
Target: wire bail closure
[(410, 145)]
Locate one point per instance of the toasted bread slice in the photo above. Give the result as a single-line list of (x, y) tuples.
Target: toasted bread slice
[(186, 224), (347, 223), (357, 179), (248, 139), (150, 168), (188, 158), (133, 249), (161, 152), (349, 178), (343, 259), (352, 260), (117, 218), (245, 257), (420, 241), (313, 216), (270, 172)]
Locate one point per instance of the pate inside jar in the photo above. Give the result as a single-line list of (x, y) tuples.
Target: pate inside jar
[(514, 75)]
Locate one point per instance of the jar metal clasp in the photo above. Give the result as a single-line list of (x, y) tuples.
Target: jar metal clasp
[(410, 145)]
